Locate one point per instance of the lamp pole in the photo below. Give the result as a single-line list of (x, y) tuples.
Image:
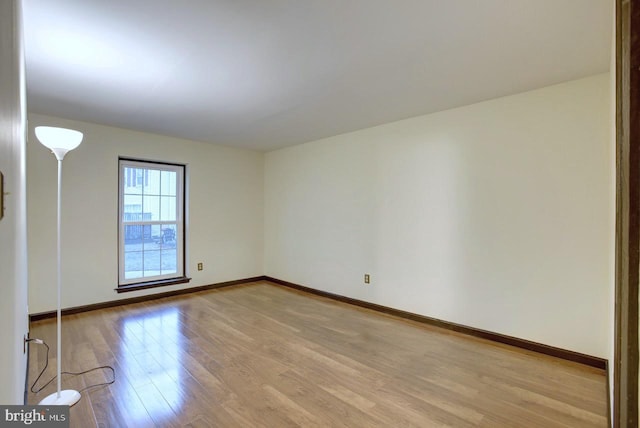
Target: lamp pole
[(59, 280)]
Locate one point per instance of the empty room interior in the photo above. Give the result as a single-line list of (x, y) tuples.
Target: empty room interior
[(310, 213)]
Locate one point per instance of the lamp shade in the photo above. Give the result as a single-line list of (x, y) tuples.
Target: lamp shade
[(59, 140)]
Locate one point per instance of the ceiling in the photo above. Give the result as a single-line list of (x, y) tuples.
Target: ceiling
[(265, 74)]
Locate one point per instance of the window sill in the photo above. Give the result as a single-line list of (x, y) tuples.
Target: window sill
[(152, 284)]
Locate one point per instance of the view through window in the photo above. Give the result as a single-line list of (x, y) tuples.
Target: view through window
[(151, 221)]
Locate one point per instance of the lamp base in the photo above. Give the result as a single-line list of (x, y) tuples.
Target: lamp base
[(68, 397)]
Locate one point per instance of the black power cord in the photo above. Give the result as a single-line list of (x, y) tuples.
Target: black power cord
[(35, 391)]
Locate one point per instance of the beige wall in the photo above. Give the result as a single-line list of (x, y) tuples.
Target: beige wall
[(225, 225), (612, 208), (13, 227), (495, 215)]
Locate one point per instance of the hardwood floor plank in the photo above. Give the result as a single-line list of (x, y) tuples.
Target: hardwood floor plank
[(156, 406), (264, 356)]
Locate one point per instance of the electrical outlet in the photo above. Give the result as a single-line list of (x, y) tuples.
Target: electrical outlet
[(200, 266), (367, 278)]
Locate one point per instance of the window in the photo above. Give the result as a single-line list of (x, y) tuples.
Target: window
[(151, 223)]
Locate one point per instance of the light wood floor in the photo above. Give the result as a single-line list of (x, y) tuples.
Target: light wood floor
[(263, 355)]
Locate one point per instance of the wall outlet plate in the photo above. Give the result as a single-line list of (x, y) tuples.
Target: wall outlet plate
[(367, 278), (200, 266)]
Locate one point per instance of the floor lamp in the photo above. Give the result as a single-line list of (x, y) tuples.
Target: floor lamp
[(60, 141)]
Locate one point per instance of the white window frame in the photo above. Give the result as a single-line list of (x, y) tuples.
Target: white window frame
[(179, 222)]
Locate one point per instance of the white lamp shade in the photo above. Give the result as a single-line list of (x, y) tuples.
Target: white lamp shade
[(59, 140)]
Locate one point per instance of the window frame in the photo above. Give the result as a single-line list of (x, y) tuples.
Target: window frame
[(180, 222)]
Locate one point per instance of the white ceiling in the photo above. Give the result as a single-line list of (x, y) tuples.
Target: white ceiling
[(264, 74)]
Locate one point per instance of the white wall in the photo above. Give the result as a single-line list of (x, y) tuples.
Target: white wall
[(225, 223), (494, 215), (13, 249)]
